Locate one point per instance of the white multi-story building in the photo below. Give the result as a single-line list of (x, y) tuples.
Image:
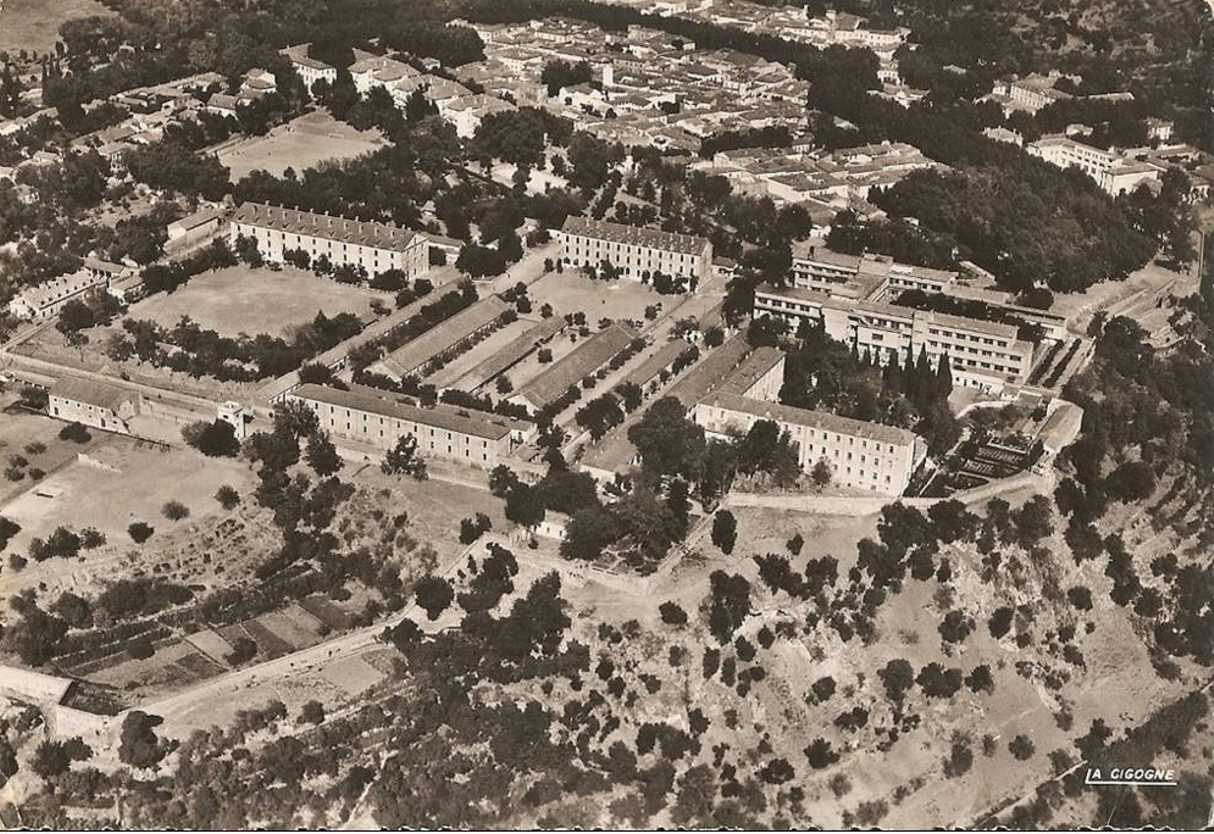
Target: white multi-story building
[(307, 68), (981, 354), (861, 455), (378, 419), (376, 247), (1114, 173), (372, 71), (636, 252)]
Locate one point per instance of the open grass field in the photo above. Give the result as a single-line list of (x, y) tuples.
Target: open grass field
[(124, 481), (300, 144), (34, 24), (20, 429), (241, 299), (570, 292)]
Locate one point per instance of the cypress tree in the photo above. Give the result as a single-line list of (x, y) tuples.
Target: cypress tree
[(944, 376)]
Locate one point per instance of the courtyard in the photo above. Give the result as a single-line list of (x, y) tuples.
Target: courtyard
[(303, 143), (243, 299)]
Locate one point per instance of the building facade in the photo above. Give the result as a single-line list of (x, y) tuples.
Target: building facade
[(309, 69), (1115, 174), (379, 419), (636, 252), (861, 456), (44, 301), (376, 247), (93, 404), (981, 354)]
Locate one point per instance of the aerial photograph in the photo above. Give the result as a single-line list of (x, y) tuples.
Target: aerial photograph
[(606, 414)]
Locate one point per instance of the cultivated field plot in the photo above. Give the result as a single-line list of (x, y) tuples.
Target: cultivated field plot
[(174, 665), (570, 292), (33, 25), (303, 143), (241, 299)]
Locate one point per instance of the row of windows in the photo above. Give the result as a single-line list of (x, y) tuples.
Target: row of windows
[(594, 245), (398, 424), (962, 337), (814, 454)]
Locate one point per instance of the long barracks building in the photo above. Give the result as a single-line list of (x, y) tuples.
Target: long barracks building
[(376, 247), (380, 418), (637, 252)]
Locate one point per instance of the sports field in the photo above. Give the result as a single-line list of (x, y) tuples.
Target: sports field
[(34, 24), (302, 143), (241, 299)]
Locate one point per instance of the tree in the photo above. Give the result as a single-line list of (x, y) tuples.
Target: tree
[(724, 531), (960, 759), (175, 511), (820, 754), (243, 650), (434, 594), (729, 604), (668, 443), (322, 455), (589, 533), (139, 747), (403, 459), (938, 682), (1001, 622), (75, 433), (525, 506), (312, 712), (1131, 481), (672, 613), (821, 474), (214, 439), (139, 531), (54, 758), (898, 676), (227, 497), (981, 680), (471, 529), (1021, 747)]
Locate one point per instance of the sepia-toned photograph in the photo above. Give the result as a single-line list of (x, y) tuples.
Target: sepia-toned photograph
[(501, 415)]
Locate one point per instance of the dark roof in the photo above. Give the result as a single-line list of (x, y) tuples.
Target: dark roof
[(660, 361), (634, 235), (514, 352), (199, 218), (397, 406), (359, 232), (750, 370), (579, 363), (415, 354), (92, 393), (710, 372)]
